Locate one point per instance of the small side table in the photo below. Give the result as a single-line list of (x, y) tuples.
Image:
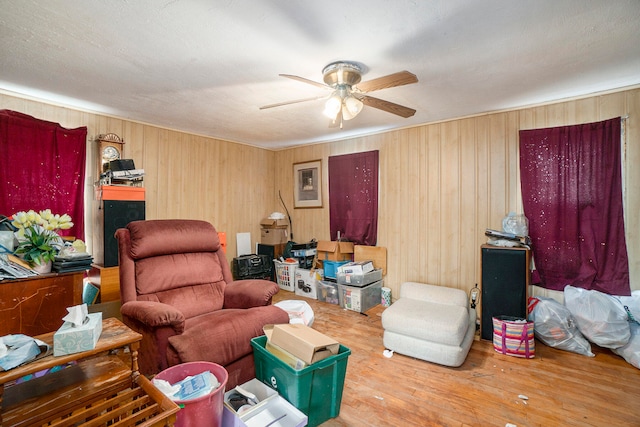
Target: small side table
[(99, 385)]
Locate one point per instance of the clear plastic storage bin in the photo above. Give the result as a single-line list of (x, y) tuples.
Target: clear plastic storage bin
[(360, 299)]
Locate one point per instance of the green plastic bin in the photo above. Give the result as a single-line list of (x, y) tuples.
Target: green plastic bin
[(315, 390)]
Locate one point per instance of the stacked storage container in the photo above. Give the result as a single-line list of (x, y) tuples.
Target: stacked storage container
[(359, 286)]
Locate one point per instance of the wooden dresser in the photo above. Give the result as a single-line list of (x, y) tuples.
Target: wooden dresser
[(36, 305)]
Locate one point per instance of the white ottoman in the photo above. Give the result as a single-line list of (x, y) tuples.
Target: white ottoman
[(432, 323)]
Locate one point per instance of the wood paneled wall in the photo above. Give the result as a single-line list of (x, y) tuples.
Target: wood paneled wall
[(441, 184), (186, 176)]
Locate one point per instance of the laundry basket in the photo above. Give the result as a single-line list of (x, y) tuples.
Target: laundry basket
[(286, 274)]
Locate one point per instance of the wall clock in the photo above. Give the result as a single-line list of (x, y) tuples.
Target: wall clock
[(109, 153), (110, 147)]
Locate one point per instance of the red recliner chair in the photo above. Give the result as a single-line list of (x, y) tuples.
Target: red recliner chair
[(177, 291)]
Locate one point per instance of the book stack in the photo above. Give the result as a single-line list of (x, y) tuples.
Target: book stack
[(73, 262)]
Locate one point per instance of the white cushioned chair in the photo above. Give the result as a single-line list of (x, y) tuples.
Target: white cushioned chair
[(432, 323)]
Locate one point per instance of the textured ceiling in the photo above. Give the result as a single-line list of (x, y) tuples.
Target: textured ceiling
[(206, 67)]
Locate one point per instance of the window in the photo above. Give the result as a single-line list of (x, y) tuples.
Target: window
[(572, 196), (353, 197)]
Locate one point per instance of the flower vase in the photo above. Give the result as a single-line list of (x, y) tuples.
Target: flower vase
[(43, 268)]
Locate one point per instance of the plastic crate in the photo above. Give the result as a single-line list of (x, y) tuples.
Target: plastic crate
[(331, 268), (360, 280), (315, 390), (327, 292), (286, 274), (360, 299)]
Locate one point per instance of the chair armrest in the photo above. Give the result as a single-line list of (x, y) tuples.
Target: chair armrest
[(154, 314), (249, 293)]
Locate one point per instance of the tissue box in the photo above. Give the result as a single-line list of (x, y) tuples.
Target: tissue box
[(69, 339)]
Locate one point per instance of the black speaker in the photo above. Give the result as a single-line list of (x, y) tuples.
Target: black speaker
[(505, 279), (117, 214), (272, 252)]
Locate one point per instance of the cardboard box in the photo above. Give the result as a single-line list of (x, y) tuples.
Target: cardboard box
[(288, 358), (274, 231), (304, 342), (70, 339), (306, 283), (335, 251), (274, 223), (283, 355), (356, 267), (274, 236)]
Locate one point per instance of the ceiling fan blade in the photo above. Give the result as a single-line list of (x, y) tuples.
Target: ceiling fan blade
[(387, 106), (280, 104), (303, 80), (392, 80)]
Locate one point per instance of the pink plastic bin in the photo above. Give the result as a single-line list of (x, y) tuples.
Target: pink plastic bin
[(204, 411)]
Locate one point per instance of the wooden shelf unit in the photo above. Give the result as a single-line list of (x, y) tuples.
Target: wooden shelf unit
[(99, 387)]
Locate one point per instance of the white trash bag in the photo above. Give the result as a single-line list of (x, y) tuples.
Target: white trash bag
[(600, 317), (515, 224), (300, 312), (631, 351), (554, 326)]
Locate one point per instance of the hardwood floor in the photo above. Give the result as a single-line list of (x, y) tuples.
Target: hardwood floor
[(563, 388)]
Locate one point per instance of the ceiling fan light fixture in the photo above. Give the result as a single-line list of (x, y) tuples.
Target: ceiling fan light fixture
[(333, 105), (342, 73), (348, 94), (352, 107)]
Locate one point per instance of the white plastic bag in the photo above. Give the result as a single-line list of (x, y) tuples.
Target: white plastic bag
[(600, 318), (632, 303), (300, 312), (515, 224), (555, 327), (631, 351)]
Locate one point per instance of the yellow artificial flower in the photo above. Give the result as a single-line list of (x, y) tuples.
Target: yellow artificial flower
[(45, 218)]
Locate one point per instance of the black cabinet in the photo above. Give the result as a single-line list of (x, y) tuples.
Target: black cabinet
[(505, 280)]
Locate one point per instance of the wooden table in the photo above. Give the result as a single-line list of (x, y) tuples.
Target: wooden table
[(36, 305), (98, 387)]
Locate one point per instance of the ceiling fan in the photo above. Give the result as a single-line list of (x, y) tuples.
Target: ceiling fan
[(348, 94)]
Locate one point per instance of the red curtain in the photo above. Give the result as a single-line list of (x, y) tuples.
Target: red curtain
[(42, 166), (353, 197), (572, 196)]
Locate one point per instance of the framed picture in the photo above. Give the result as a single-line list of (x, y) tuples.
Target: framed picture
[(307, 184)]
